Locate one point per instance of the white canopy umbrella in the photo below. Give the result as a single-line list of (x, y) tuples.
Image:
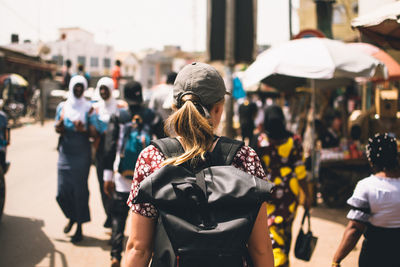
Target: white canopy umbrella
[(318, 59)]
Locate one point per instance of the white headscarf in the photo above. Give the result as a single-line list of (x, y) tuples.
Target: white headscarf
[(75, 109), (108, 107)]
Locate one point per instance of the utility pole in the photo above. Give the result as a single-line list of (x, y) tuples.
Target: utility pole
[(324, 16), (231, 38), (290, 20), (229, 65)]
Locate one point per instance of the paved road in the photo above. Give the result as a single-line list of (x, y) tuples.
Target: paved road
[(31, 229)]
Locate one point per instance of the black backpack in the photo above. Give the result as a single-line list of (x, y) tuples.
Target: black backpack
[(206, 213)]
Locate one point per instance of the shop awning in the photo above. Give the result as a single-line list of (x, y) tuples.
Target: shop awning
[(36, 65), (381, 26)]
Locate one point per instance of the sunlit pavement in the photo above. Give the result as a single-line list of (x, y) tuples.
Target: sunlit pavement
[(328, 225), (31, 229)]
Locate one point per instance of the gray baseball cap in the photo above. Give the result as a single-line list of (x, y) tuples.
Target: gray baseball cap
[(202, 80)]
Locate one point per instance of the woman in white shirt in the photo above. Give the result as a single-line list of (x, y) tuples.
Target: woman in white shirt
[(375, 209)]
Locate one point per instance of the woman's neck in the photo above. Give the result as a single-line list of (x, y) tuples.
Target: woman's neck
[(388, 174)]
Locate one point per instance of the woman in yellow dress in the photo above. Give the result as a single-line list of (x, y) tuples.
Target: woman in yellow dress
[(281, 154)]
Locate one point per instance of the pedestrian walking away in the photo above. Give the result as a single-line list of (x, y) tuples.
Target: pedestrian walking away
[(161, 103), (128, 132), (104, 109), (67, 74), (282, 157), (375, 209), (73, 123), (198, 103), (247, 115)]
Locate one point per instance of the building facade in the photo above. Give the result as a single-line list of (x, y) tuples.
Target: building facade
[(342, 14), (79, 46)]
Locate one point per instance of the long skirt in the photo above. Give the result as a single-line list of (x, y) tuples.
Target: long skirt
[(73, 172), (380, 247)]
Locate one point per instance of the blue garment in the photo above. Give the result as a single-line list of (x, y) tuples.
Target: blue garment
[(73, 171), (101, 126), (238, 91), (68, 124), (3, 130)]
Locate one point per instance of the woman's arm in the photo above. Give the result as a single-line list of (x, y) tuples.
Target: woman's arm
[(260, 245), (59, 125), (351, 235), (139, 247), (92, 118)]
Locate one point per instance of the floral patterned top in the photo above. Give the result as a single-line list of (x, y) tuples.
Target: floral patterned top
[(150, 160)]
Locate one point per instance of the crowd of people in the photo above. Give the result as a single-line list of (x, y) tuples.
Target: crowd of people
[(105, 126), (188, 108)]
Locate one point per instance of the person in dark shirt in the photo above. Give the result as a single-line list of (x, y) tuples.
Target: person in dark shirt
[(247, 112), (330, 137), (4, 141), (116, 185), (81, 71), (67, 74)]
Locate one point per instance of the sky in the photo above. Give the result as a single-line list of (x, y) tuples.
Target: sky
[(131, 25)]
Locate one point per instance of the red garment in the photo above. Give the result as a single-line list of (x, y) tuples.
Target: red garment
[(116, 75), (151, 158)]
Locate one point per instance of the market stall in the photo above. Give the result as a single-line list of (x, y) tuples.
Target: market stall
[(321, 65)]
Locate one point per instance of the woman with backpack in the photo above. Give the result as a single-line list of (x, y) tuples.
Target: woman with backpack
[(74, 123), (199, 93), (282, 157)]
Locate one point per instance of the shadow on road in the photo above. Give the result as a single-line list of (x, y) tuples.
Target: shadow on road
[(334, 215), (89, 241), (24, 244)]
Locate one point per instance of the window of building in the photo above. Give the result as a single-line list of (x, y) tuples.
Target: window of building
[(107, 63), (58, 60), (94, 62), (355, 8), (339, 14), (82, 60)]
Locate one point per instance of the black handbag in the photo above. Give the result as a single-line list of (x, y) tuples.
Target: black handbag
[(305, 243)]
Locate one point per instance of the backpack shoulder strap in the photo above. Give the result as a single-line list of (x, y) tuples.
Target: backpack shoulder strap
[(223, 153), (170, 147), (225, 150)]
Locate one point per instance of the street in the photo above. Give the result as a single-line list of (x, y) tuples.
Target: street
[(31, 229)]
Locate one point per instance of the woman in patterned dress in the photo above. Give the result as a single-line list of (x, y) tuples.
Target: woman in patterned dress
[(199, 100), (282, 158)]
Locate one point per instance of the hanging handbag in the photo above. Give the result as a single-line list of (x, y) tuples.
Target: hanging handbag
[(305, 242)]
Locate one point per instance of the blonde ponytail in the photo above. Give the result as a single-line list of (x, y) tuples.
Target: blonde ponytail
[(196, 132)]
